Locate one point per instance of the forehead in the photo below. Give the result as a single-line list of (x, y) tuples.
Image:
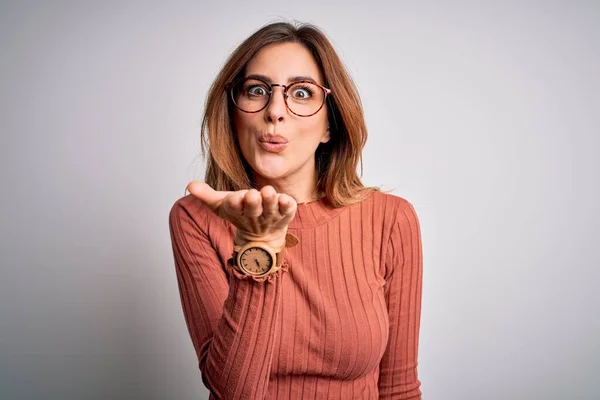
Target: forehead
[(282, 61)]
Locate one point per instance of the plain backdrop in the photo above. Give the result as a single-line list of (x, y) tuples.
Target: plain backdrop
[(485, 115)]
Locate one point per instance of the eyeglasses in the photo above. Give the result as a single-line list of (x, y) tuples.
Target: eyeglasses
[(302, 98)]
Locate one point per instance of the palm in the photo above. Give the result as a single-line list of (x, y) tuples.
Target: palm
[(262, 215)]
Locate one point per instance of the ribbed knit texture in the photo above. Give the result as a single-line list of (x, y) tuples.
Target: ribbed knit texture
[(342, 322)]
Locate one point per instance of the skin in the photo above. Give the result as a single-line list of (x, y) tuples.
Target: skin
[(285, 178), (292, 171)]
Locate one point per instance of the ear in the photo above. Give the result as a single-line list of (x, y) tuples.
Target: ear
[(327, 136)]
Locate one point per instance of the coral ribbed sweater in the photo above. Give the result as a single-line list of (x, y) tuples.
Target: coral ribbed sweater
[(339, 321)]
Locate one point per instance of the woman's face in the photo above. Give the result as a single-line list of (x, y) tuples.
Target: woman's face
[(295, 159)]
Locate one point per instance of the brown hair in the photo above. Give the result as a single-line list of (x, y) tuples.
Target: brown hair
[(336, 160)]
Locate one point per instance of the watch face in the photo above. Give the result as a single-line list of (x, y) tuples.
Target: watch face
[(256, 260)]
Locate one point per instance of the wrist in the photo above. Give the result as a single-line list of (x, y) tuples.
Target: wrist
[(273, 240)]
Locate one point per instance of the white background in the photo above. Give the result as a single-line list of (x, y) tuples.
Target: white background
[(484, 115)]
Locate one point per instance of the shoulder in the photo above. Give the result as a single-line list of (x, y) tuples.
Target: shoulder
[(399, 220), (401, 232), (188, 209), (189, 205), (392, 206)]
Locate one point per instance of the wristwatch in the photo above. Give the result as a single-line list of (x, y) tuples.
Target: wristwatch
[(259, 259)]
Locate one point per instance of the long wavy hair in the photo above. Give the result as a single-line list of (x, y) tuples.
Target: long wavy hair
[(336, 161)]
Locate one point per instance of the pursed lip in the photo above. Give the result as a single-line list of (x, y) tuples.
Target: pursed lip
[(271, 138)]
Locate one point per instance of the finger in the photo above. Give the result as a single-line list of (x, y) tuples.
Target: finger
[(252, 204), (233, 204), (287, 205), (269, 201), (206, 194)]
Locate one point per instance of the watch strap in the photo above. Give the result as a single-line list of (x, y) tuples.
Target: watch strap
[(291, 240)]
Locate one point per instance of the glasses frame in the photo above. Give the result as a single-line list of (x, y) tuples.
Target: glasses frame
[(229, 87)]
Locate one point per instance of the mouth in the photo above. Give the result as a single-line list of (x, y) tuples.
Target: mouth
[(272, 138), (273, 143), (273, 147)]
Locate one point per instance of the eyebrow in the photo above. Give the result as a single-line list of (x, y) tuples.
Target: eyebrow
[(290, 80)]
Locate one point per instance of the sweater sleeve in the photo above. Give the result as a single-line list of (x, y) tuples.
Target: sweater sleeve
[(404, 270), (231, 321)]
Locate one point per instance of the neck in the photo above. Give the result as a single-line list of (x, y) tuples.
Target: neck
[(302, 190)]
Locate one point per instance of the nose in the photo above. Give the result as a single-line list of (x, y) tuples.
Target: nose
[(276, 109)]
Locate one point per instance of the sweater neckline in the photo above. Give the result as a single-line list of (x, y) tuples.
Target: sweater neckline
[(314, 213)]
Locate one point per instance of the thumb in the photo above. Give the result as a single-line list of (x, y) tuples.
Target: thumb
[(206, 194)]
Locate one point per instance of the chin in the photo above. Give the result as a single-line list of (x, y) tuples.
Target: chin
[(270, 167), (271, 173)]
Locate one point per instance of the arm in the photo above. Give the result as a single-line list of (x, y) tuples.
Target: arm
[(398, 377), (231, 320)]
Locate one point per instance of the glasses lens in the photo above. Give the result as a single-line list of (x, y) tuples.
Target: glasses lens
[(305, 98), (250, 95)]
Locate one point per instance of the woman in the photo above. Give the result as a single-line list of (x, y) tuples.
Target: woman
[(296, 281)]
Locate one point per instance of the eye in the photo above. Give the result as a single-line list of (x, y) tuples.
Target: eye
[(257, 90), (302, 92)]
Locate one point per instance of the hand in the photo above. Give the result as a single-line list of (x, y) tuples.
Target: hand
[(258, 215)]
